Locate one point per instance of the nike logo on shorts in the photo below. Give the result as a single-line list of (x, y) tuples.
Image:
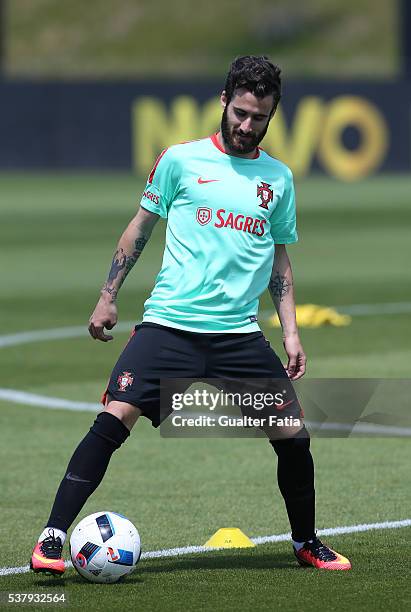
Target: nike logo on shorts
[(282, 406)]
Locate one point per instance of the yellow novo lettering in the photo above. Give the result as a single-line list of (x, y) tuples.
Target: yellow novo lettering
[(351, 165), (210, 118), (316, 129), (155, 129), (296, 148)]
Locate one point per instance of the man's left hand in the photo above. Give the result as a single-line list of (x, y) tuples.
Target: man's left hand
[(295, 367)]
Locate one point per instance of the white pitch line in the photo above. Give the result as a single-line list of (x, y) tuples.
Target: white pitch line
[(60, 333), (331, 531), (375, 309), (55, 403), (361, 428), (43, 401), (283, 537)]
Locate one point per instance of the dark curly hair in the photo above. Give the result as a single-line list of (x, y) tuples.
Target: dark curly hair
[(255, 73)]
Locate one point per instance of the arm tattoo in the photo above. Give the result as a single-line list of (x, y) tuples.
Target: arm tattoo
[(279, 286), (121, 262), (139, 245), (118, 263), (110, 290)]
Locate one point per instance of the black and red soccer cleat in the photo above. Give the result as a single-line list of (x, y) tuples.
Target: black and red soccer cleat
[(316, 554), (46, 557)]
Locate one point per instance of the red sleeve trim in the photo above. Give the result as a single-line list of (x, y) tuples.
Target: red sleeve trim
[(151, 176)]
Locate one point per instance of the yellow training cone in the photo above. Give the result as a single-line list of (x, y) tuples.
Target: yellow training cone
[(229, 537), (313, 315)]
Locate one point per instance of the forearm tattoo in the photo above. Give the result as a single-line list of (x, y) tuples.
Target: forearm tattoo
[(121, 265), (118, 264), (110, 290), (278, 287), (139, 245)]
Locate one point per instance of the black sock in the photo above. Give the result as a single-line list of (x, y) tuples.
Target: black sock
[(296, 482), (86, 469)]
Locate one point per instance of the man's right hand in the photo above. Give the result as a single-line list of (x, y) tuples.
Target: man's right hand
[(104, 316)]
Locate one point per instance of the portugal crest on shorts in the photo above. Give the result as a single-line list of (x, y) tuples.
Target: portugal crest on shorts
[(125, 380), (265, 192), (204, 215)]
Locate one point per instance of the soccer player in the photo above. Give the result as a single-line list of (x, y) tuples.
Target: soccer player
[(230, 211)]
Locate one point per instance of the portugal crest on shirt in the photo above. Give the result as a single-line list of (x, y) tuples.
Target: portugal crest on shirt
[(265, 192), (125, 380), (204, 215)]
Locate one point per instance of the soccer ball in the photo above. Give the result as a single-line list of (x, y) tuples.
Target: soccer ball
[(104, 547)]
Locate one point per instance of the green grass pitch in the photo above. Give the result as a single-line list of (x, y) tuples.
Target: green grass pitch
[(57, 235)]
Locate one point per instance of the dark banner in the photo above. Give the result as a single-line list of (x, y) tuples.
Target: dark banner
[(349, 130)]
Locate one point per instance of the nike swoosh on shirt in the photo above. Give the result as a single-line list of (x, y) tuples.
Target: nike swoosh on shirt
[(71, 476), (202, 181)]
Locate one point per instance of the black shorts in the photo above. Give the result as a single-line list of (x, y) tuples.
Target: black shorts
[(156, 352)]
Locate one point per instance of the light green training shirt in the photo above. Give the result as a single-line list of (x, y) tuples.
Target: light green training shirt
[(224, 215)]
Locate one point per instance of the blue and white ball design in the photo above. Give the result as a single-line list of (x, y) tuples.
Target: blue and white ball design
[(104, 547)]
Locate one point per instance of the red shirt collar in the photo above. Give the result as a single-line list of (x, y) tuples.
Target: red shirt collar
[(216, 143)]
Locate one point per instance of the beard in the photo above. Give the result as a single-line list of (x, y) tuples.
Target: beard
[(235, 141)]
